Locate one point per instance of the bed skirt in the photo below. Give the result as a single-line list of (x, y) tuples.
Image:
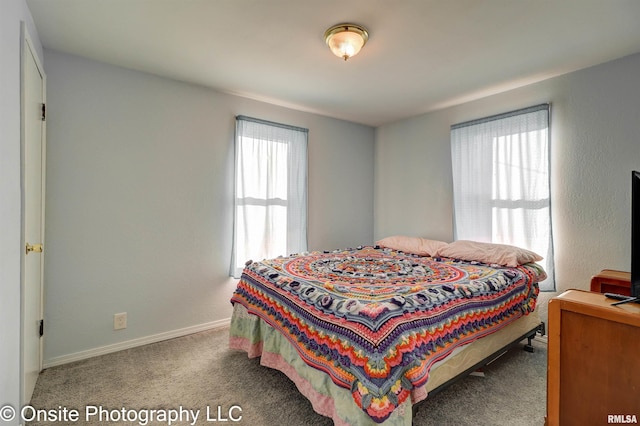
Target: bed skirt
[(255, 337)]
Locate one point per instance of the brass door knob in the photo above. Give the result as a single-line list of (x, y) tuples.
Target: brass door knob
[(35, 248)]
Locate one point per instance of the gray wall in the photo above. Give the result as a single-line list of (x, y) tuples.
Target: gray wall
[(595, 143), (12, 13), (140, 196)]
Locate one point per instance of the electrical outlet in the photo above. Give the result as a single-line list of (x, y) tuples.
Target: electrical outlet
[(120, 321)]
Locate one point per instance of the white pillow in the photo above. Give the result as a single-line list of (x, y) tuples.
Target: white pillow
[(414, 245), (500, 254)]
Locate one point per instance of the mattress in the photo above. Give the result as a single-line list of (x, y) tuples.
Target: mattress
[(481, 349), (373, 322)]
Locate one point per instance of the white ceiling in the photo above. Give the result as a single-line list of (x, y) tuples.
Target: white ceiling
[(421, 55)]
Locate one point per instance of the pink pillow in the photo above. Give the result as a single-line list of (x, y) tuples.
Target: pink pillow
[(500, 254), (414, 245)]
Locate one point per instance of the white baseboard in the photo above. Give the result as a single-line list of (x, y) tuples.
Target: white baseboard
[(103, 350)]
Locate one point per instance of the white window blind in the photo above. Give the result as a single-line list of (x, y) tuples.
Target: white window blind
[(270, 191), (501, 182)]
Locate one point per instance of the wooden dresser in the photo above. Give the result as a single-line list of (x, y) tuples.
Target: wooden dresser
[(610, 281), (593, 369)]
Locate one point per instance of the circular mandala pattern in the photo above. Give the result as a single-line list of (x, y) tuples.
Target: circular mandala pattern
[(371, 272)]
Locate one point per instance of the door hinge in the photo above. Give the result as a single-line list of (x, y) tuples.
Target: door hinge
[(44, 112), (41, 328)]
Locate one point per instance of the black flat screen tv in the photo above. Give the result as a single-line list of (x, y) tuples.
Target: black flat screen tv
[(635, 234), (635, 245)]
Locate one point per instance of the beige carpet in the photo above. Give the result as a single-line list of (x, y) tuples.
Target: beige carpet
[(199, 373)]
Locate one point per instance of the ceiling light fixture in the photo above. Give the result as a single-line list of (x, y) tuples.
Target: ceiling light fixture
[(346, 40)]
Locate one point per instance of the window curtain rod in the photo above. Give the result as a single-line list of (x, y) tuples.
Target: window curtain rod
[(501, 116), (271, 123)]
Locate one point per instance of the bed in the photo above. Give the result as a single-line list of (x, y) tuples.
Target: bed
[(366, 333)]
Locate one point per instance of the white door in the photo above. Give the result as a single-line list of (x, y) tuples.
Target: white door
[(33, 89)]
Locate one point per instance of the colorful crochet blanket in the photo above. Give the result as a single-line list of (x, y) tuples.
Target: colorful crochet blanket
[(376, 320)]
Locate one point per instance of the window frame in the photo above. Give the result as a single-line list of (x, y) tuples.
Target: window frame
[(469, 151), (263, 135)]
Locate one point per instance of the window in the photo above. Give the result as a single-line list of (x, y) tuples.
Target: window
[(501, 182), (270, 191)]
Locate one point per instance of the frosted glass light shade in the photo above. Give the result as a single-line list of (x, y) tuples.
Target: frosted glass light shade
[(346, 40)]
